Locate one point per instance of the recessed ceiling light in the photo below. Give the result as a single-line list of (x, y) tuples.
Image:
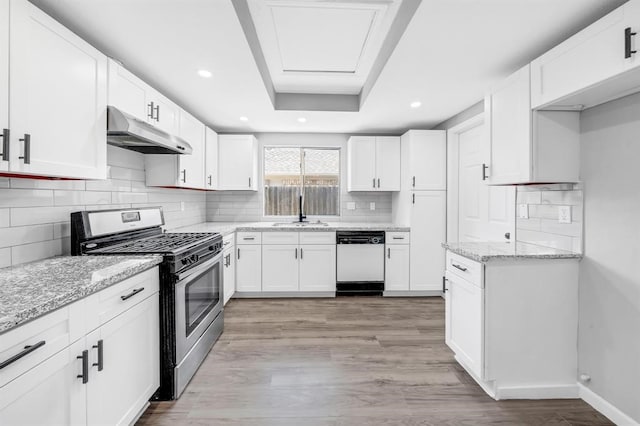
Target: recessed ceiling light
[(416, 104), (204, 73), (243, 118), (302, 120)]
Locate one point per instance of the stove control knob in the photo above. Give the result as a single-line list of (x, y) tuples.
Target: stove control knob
[(375, 240), (211, 248), (185, 261)]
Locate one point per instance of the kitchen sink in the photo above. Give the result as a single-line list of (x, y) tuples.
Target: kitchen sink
[(301, 224)]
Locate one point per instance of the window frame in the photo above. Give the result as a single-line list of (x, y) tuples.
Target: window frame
[(310, 218)]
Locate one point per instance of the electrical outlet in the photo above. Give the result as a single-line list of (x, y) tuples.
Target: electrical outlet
[(351, 205), (564, 214), (523, 211), (372, 206)]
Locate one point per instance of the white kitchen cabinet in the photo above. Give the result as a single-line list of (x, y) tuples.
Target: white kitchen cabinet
[(248, 267), (237, 163), (318, 267), (165, 114), (591, 67), (373, 163), (505, 330), (422, 157), (211, 160), (4, 86), (525, 146), (58, 98), (229, 271), (397, 263), (280, 267), (428, 232)]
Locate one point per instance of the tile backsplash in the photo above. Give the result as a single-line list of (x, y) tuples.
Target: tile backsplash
[(34, 213), (247, 206), (542, 227)]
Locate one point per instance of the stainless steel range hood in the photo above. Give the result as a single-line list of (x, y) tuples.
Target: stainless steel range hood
[(127, 131)]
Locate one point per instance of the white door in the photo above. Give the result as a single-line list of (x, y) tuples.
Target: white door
[(318, 267), (428, 152), (191, 167), (396, 273), (361, 169), (49, 394), (388, 163), (249, 268), (508, 109), (237, 162), (280, 267), (4, 85), (211, 161), (127, 92), (166, 114), (131, 364), (229, 273), (464, 322), (428, 232), (58, 99)]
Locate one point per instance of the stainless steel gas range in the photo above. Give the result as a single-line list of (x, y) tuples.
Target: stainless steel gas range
[(191, 287)]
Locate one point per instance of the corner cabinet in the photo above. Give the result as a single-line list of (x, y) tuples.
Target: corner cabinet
[(373, 163), (528, 146), (238, 163), (57, 97), (211, 160)]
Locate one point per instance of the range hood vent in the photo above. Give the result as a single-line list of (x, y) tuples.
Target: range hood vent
[(127, 131)]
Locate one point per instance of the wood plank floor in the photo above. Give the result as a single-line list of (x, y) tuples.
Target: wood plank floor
[(345, 361)]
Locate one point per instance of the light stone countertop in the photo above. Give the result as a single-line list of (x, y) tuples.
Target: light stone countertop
[(34, 289), (487, 251), (226, 228)]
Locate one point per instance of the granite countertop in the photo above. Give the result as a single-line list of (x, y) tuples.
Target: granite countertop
[(34, 289), (486, 251), (226, 228)]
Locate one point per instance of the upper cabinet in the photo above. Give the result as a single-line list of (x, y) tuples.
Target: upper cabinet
[(211, 160), (57, 90), (526, 146), (596, 65), (238, 163), (4, 86), (423, 156), (373, 163)]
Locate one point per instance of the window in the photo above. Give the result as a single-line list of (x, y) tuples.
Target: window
[(313, 173)]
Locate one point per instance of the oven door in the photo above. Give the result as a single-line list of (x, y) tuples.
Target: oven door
[(198, 301)]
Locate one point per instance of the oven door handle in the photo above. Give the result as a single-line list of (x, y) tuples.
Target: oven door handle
[(200, 268)]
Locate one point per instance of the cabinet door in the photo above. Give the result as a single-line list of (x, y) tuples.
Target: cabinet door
[(131, 364), (509, 117), (396, 270), (237, 162), (464, 323), (428, 159), (280, 267), (127, 92), (361, 167), (166, 114), (249, 268), (388, 163), (58, 86), (589, 57), (229, 273), (49, 394), (318, 267), (191, 167), (4, 82), (428, 228), (211, 161)]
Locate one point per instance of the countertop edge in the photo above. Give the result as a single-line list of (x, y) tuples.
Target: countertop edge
[(511, 257)]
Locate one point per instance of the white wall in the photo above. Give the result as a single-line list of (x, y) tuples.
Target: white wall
[(34, 214), (248, 206), (609, 335)]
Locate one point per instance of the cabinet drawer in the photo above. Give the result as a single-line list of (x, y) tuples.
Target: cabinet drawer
[(46, 335), (280, 238), (465, 268), (397, 238), (228, 240), (317, 238), (249, 238), (112, 301)]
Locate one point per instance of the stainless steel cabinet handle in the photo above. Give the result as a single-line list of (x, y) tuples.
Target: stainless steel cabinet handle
[(374, 182), (27, 350), (157, 113), (238, 254), (444, 284), (296, 255), (484, 171), (85, 367), (248, 238), (184, 173), (301, 253), (627, 43), (389, 253), (209, 180), (249, 182), (462, 268), (6, 134), (133, 293), (100, 348), (413, 198), (27, 148), (413, 181), (378, 182), (398, 238), (150, 113)]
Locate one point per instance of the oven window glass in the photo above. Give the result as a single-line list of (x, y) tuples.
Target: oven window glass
[(201, 295)]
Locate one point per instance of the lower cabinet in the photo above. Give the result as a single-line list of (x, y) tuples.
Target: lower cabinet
[(280, 267), (396, 262), (248, 267), (317, 267), (229, 271)]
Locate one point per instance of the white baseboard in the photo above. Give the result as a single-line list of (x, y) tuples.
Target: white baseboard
[(605, 407), (278, 294), (538, 392)]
